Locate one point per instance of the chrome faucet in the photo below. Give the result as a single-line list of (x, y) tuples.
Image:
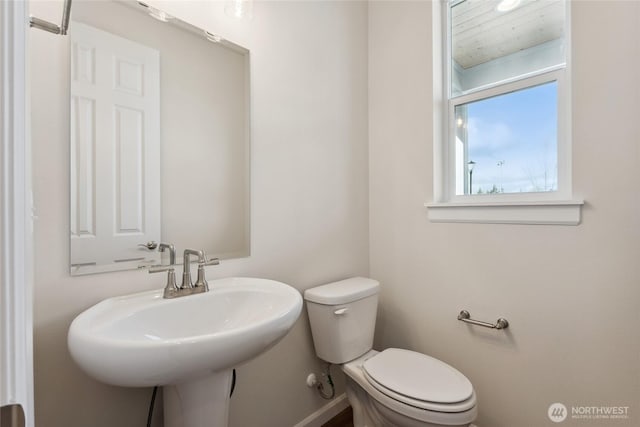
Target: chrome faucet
[(186, 266), (172, 290), (201, 284)]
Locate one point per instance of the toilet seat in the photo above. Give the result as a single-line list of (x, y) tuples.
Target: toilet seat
[(419, 380), (401, 405)]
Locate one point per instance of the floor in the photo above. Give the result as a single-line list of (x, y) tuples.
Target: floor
[(343, 419)]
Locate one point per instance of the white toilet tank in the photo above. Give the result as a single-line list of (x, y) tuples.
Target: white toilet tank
[(343, 318)]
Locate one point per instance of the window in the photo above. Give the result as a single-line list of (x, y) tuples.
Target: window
[(508, 142), (505, 140)]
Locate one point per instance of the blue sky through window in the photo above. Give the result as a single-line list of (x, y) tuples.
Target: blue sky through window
[(512, 139)]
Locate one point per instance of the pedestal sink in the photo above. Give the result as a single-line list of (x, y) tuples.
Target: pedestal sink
[(189, 344)]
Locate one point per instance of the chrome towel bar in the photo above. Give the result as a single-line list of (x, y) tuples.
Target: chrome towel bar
[(501, 323)]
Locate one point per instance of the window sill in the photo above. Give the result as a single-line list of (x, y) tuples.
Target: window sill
[(542, 213)]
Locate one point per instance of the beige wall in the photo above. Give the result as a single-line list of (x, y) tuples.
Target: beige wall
[(309, 203), (570, 293)]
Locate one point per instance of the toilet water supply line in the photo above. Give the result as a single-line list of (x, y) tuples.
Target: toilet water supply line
[(320, 386)]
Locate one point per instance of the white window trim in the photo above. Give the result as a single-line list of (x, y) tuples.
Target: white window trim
[(557, 207), (557, 212)]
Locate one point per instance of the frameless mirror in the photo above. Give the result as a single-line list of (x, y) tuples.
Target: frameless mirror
[(159, 138)]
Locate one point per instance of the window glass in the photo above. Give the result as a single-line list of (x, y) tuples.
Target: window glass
[(497, 40), (506, 59), (508, 143)]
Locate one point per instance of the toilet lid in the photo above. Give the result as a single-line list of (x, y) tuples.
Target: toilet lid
[(418, 376)]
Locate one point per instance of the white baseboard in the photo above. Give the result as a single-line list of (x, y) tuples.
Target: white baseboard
[(325, 413)]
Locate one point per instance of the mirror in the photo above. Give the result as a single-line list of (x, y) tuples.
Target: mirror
[(159, 139)]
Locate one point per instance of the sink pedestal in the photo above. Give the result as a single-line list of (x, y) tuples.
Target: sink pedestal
[(202, 402)]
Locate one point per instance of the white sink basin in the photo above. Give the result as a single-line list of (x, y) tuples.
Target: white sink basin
[(145, 340)]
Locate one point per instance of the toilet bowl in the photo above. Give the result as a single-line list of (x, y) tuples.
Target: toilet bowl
[(393, 387), (403, 388)]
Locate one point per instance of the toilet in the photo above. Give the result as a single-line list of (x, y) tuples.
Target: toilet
[(393, 387)]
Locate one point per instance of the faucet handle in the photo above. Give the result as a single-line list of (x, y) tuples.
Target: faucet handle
[(160, 268), (212, 261), (201, 283)]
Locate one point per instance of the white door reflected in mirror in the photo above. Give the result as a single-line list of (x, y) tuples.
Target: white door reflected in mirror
[(193, 190), (115, 148)]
